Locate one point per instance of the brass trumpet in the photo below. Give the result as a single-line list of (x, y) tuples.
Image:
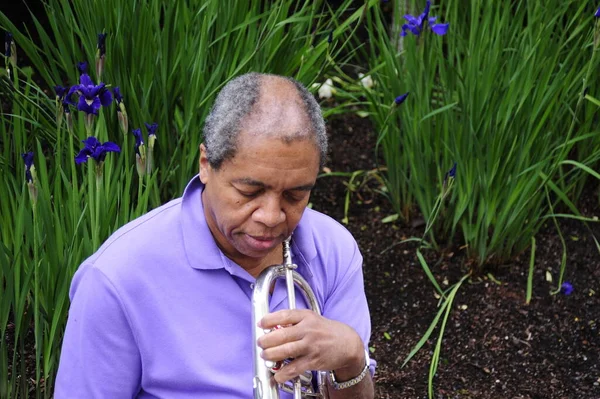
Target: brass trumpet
[(264, 384)]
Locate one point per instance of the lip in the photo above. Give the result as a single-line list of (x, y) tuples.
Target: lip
[(261, 243)]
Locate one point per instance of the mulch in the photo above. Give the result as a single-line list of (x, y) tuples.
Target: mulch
[(495, 345)]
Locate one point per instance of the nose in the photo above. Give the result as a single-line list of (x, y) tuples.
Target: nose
[(270, 213)]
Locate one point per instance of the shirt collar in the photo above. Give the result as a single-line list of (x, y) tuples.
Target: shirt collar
[(200, 246)]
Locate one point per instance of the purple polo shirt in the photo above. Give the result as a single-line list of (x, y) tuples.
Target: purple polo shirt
[(160, 312)]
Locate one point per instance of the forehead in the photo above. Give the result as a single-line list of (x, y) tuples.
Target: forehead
[(264, 147), (274, 161)]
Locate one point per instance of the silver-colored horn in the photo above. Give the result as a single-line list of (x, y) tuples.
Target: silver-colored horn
[(265, 386)]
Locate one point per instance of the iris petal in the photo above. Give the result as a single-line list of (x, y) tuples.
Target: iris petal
[(151, 128), (117, 93), (400, 99), (96, 90), (28, 159), (440, 29), (411, 19), (72, 90), (105, 97), (91, 142), (85, 80), (95, 106), (82, 156), (137, 133), (111, 147), (87, 91)]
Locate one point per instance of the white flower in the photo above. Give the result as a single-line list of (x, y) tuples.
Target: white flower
[(326, 90), (366, 81)]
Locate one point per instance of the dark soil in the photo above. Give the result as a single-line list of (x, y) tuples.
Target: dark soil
[(495, 345)]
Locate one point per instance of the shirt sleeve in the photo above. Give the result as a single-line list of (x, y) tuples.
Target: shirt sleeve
[(100, 358), (347, 302)]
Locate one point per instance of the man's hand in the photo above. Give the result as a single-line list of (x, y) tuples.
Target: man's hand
[(315, 343)]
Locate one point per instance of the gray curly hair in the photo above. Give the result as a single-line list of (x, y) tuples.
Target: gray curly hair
[(235, 102)]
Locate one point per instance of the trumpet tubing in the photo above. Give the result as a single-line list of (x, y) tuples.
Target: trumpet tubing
[(263, 384)]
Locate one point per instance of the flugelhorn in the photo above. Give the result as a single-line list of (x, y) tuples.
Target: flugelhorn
[(264, 385)]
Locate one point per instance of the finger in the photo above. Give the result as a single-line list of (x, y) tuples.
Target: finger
[(288, 350), (284, 317), (280, 336), (292, 370)]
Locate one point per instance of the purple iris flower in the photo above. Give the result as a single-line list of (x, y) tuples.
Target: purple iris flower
[(61, 92), (28, 158), (151, 128), (62, 95), (139, 141), (597, 13), (66, 103), (82, 66), (400, 99), (416, 24), (102, 43), (566, 288), (8, 38), (94, 149), (451, 173), (118, 96), (91, 96)]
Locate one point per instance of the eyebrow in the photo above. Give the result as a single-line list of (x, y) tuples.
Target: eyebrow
[(257, 183)]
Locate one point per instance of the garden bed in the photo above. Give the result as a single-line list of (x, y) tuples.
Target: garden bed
[(495, 346)]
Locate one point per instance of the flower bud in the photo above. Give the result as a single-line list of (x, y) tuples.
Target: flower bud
[(59, 114), (69, 118), (123, 119), (10, 50), (32, 184), (150, 153), (99, 67), (140, 161)]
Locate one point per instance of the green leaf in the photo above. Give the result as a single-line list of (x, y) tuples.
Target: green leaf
[(390, 218)]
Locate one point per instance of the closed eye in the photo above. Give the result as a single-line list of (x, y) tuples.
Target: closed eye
[(249, 194), (295, 197)]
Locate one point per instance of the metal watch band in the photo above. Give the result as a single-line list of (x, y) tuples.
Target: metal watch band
[(347, 384)]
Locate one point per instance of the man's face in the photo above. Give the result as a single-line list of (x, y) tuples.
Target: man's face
[(256, 199)]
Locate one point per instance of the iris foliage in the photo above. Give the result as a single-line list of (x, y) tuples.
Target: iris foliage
[(500, 94)]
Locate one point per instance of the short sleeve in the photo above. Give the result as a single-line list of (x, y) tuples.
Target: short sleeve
[(99, 357)]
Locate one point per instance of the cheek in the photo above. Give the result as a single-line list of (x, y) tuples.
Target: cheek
[(238, 214), (295, 214)]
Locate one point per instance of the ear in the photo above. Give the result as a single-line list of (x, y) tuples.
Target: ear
[(203, 164)]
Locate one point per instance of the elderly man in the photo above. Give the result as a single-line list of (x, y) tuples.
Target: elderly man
[(163, 309)]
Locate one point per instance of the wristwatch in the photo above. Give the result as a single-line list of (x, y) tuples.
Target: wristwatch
[(347, 384)]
